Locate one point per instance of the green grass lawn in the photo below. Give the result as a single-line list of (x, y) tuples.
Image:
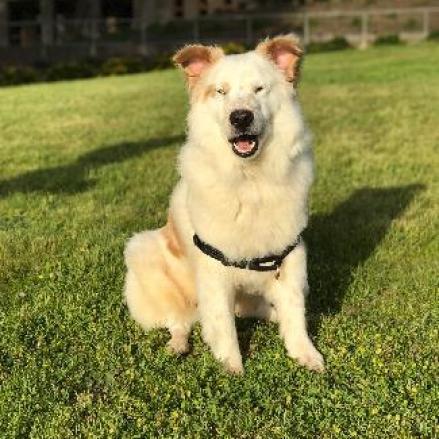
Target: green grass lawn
[(85, 164)]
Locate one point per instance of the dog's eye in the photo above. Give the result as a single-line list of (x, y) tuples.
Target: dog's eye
[(258, 89), (220, 91)]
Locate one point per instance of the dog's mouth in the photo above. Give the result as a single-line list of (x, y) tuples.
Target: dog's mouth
[(245, 145)]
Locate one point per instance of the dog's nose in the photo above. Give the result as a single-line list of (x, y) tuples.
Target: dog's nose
[(241, 118)]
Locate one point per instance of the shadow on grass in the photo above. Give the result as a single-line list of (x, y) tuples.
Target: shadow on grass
[(344, 239), (73, 178)]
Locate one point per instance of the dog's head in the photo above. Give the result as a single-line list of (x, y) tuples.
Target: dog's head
[(234, 98)]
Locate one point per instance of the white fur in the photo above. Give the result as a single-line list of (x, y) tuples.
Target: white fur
[(247, 208)]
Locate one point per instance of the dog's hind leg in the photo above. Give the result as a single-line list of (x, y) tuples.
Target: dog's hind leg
[(158, 289)]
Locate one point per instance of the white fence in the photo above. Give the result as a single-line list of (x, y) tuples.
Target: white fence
[(132, 36)]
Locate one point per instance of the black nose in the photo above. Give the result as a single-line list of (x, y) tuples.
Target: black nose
[(241, 118)]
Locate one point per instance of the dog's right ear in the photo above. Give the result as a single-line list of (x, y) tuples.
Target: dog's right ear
[(194, 59)]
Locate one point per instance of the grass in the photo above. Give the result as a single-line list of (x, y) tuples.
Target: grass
[(86, 164)]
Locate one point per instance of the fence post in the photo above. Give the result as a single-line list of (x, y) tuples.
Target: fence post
[(143, 35), (196, 30), (4, 31), (248, 31), (306, 34), (47, 11), (143, 46), (95, 15), (93, 37), (426, 22), (364, 30)]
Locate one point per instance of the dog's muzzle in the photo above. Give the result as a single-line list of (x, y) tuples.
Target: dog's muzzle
[(244, 142)]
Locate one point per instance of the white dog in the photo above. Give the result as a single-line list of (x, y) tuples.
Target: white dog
[(232, 242)]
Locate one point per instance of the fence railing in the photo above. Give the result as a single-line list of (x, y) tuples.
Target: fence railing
[(131, 36)]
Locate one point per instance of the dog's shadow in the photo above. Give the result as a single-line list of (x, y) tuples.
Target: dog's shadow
[(73, 177), (338, 243)]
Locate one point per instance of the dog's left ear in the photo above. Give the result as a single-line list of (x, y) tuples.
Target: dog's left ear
[(286, 52), (194, 59)]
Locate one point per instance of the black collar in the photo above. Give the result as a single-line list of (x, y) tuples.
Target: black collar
[(266, 263)]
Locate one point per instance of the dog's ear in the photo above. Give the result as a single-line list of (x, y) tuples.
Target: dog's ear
[(286, 52), (194, 59)]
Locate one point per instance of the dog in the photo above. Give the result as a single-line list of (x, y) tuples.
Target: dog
[(232, 243)]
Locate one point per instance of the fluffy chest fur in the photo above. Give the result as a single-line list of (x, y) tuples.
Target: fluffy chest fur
[(248, 211)]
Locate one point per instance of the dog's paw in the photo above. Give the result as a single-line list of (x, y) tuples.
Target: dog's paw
[(232, 364), (178, 346), (234, 368), (308, 356)]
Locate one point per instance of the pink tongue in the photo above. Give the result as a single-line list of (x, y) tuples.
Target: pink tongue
[(244, 145)]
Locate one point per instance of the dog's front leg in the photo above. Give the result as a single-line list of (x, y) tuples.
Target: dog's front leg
[(216, 302), (287, 293)]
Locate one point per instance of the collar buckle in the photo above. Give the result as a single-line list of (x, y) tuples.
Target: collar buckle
[(264, 264)]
